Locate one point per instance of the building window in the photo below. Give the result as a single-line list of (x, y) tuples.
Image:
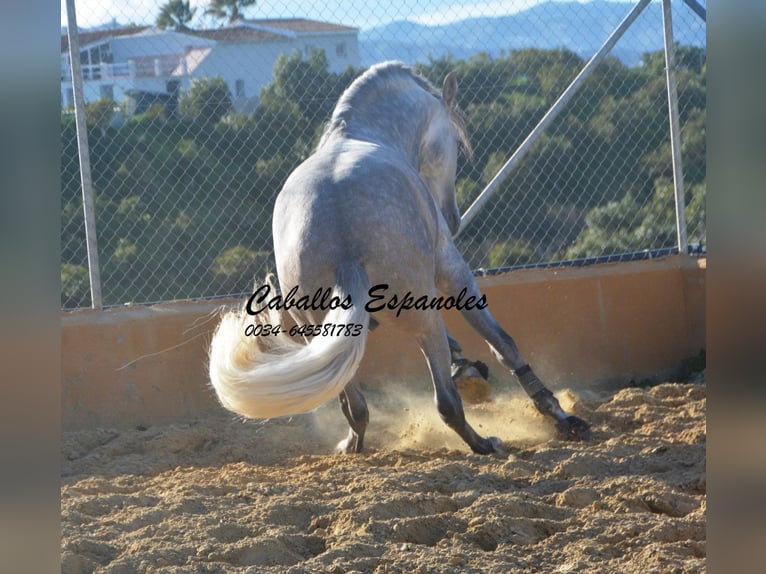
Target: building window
[(340, 50), (85, 63), (68, 97), (308, 49), (239, 88), (106, 54), (95, 61), (107, 91), (173, 87)]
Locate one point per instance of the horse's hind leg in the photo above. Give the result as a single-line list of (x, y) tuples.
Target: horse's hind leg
[(354, 407), (436, 348)]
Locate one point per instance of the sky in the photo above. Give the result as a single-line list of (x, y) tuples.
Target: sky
[(356, 13)]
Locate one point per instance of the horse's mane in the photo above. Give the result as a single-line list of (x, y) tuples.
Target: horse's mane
[(385, 73), (382, 74)]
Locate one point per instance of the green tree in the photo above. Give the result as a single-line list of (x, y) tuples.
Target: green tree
[(691, 58), (75, 285), (237, 267), (658, 163), (125, 253), (630, 225), (510, 253), (548, 72), (306, 83), (206, 101), (227, 9), (175, 15), (99, 114)]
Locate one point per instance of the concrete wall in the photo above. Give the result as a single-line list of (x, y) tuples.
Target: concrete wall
[(576, 326)]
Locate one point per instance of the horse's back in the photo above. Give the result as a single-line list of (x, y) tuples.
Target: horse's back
[(352, 200), (351, 178)]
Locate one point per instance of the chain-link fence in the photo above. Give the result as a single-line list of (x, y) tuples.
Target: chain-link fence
[(197, 112)]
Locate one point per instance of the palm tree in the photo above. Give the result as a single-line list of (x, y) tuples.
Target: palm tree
[(230, 9), (175, 14)]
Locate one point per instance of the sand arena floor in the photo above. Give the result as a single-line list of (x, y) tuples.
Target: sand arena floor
[(221, 495)]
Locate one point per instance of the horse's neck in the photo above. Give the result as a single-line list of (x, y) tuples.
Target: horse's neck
[(399, 122), (408, 148), (403, 138)]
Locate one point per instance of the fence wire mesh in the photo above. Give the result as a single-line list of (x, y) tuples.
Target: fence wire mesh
[(198, 111)]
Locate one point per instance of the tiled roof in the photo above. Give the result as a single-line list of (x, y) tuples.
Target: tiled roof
[(90, 37), (234, 34), (300, 25), (245, 30)]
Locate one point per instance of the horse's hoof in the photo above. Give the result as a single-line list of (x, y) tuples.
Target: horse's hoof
[(496, 443), (348, 446), (499, 450), (573, 428), (473, 389), (487, 445), (493, 446), (471, 381)]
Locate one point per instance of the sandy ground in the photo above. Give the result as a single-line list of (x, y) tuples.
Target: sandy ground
[(222, 495)]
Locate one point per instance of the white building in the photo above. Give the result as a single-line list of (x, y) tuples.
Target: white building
[(244, 54), (145, 59)]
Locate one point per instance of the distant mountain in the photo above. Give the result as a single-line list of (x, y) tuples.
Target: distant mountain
[(112, 25), (581, 28)]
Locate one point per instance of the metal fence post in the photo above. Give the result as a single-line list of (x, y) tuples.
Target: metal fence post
[(548, 118), (88, 203), (675, 128), (697, 9)]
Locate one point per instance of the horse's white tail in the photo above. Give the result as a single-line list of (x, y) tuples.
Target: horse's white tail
[(273, 375)]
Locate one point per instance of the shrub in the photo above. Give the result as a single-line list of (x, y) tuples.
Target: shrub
[(75, 285), (99, 114), (515, 253), (237, 267), (207, 100), (125, 253)]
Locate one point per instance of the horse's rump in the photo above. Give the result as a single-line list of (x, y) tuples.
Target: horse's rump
[(274, 375)]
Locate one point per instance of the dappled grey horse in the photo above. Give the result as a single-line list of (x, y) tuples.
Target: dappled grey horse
[(361, 225)]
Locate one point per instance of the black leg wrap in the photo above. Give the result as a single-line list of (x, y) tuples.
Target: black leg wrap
[(569, 427), (530, 382), (523, 370)]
